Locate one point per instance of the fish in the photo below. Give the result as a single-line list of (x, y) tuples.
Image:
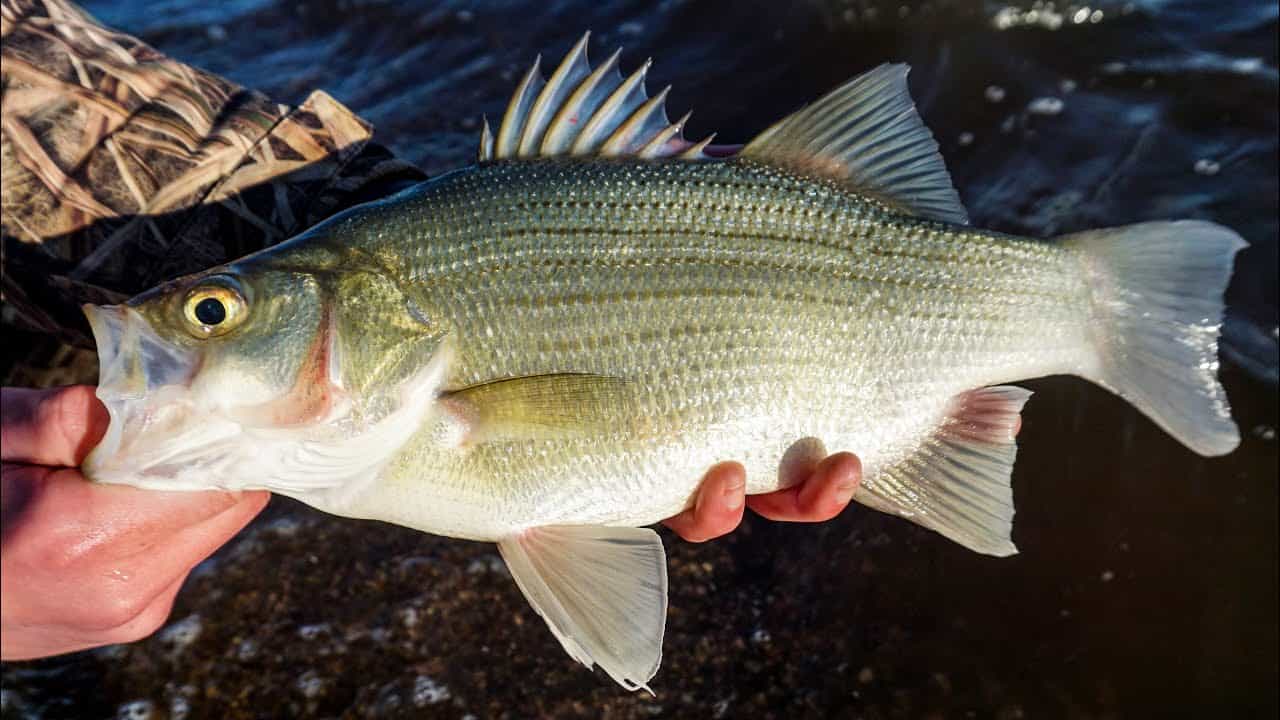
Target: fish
[(547, 349)]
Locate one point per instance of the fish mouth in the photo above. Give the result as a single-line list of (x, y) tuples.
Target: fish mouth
[(132, 359), (172, 427), (144, 382)]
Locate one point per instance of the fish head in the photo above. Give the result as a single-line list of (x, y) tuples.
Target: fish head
[(201, 373)]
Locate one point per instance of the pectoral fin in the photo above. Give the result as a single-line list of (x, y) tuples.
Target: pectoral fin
[(543, 406), (602, 591)]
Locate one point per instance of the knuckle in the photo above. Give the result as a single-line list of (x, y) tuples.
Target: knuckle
[(821, 507), (831, 511), (696, 529), (56, 556), (53, 536), (119, 612), (59, 553), (697, 535), (143, 625), (70, 411)]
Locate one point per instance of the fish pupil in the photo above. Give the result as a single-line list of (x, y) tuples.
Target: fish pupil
[(211, 311)]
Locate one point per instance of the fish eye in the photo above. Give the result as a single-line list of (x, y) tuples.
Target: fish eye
[(214, 308), (211, 311)]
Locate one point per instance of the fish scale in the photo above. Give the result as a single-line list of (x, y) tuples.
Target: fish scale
[(793, 313)]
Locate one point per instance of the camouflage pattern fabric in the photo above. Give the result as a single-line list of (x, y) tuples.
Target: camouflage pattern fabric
[(123, 168)]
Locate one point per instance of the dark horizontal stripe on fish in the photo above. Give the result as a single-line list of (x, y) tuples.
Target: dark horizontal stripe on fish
[(502, 260), (596, 298)]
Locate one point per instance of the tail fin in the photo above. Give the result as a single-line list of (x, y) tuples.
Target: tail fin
[(1157, 301)]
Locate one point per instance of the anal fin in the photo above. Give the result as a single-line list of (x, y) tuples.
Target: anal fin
[(602, 591), (957, 483)]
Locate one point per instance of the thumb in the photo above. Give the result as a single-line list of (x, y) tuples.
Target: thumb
[(50, 427)]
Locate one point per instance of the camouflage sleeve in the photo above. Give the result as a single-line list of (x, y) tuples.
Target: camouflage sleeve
[(123, 168)]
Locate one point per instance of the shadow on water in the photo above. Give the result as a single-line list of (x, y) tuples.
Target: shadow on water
[(1147, 579)]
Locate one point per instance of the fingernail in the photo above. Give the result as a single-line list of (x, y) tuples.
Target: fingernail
[(734, 495)]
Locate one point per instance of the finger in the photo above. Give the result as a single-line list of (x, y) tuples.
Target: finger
[(50, 427), (149, 620), (63, 510), (158, 571), (718, 507), (193, 544), (820, 497), (29, 643), (102, 554), (832, 487)]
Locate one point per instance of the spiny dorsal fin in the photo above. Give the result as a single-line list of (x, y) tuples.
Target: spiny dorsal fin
[(868, 134), (513, 120), (573, 69), (581, 111)]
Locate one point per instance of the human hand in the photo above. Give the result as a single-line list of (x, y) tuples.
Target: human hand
[(83, 564), (822, 491)]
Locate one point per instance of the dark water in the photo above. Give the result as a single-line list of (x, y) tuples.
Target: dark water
[(1147, 583)]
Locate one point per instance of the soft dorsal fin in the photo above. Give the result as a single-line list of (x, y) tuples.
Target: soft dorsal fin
[(585, 111), (868, 134)]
